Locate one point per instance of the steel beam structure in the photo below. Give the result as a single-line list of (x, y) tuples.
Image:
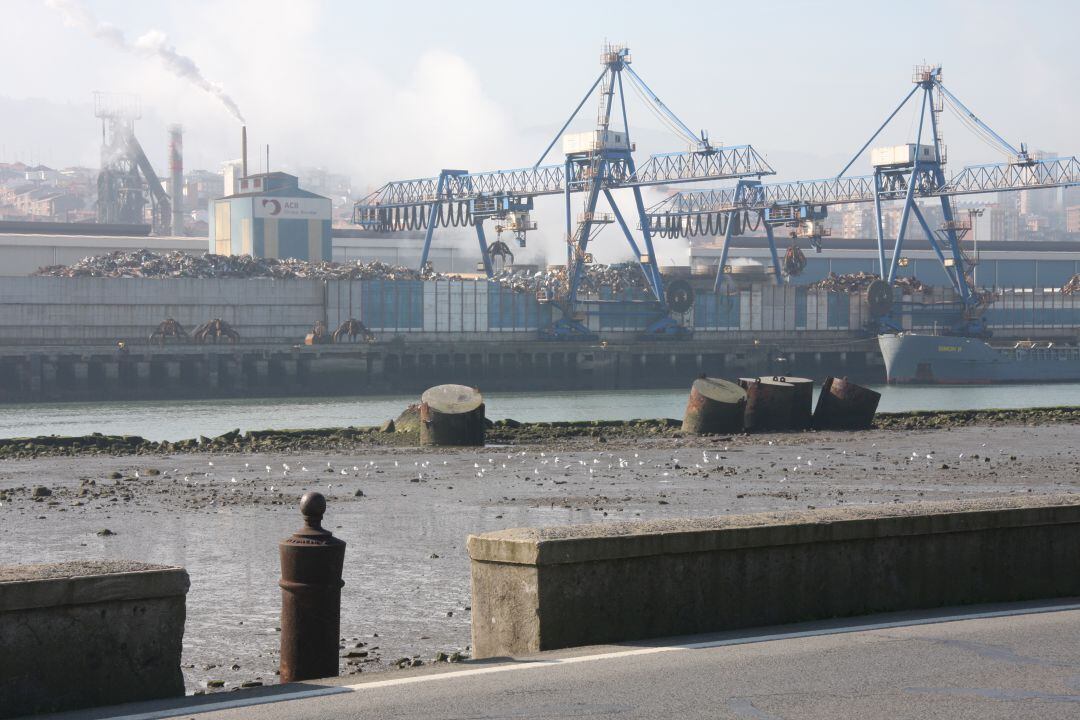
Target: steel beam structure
[(456, 198), (715, 211)]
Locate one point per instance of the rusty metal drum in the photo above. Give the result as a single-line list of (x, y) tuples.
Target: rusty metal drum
[(715, 406), (843, 405), (768, 404)]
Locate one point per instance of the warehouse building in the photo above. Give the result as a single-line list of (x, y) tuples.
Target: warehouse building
[(268, 215)]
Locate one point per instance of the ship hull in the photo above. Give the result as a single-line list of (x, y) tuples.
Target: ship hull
[(948, 360)]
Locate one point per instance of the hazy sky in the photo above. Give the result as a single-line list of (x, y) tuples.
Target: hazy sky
[(400, 89)]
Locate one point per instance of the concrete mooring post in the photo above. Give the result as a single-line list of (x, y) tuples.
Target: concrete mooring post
[(311, 563)]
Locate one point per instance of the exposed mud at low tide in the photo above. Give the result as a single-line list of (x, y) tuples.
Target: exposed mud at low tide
[(406, 512)]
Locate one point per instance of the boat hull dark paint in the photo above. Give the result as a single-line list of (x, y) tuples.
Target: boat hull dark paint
[(949, 360)]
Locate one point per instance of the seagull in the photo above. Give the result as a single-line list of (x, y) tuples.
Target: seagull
[(268, 468), (211, 463), (304, 469), (285, 465)]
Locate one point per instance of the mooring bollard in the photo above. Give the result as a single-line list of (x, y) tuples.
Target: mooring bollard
[(311, 562)]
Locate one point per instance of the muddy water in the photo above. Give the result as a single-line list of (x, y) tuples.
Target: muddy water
[(176, 420), (415, 507)]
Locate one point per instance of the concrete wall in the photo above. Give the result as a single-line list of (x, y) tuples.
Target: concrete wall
[(58, 311), (84, 634), (540, 589), (80, 309), (22, 254)]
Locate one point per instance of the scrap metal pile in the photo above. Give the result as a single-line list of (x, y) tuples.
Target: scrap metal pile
[(858, 282), (554, 281), (1072, 287), (149, 264)]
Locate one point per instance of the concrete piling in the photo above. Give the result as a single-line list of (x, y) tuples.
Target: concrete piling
[(715, 406), (452, 415), (311, 565)]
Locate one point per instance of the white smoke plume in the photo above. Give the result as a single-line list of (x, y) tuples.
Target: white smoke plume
[(153, 44)]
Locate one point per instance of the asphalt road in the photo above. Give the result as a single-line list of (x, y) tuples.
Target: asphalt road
[(1017, 661)]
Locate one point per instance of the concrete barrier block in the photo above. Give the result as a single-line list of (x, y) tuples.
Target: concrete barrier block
[(83, 634), (547, 588)]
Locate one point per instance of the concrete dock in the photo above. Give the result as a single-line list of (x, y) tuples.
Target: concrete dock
[(188, 370)]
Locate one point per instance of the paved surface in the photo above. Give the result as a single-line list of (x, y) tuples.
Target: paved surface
[(1018, 661)]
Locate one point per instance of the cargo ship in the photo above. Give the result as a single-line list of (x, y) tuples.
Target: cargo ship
[(953, 360)]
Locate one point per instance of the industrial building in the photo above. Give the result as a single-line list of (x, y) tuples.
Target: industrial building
[(268, 215)]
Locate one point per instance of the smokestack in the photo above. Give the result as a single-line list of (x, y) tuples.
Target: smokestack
[(243, 151), (176, 177)]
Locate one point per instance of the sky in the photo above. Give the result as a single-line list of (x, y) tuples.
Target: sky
[(392, 90)]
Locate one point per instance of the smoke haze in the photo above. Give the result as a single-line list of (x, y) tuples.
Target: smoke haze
[(153, 44)]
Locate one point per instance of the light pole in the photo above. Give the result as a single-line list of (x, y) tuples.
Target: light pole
[(974, 213)]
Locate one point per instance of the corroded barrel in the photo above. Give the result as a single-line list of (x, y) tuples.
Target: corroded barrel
[(768, 404), (843, 405), (451, 415), (715, 406), (802, 401)]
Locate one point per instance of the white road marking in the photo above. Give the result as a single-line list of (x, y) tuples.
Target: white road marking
[(527, 664)]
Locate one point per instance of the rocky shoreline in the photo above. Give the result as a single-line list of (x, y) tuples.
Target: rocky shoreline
[(402, 433)]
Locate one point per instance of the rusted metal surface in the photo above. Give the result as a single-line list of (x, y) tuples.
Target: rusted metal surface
[(843, 405), (768, 404), (452, 415), (802, 401), (311, 563), (715, 406)]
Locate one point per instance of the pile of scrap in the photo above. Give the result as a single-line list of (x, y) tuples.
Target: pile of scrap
[(149, 264), (554, 281), (860, 281)]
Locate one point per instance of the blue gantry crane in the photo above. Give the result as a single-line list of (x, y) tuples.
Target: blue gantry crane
[(597, 162), (901, 173)]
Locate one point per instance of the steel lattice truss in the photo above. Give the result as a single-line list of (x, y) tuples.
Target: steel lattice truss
[(715, 164), (1057, 172)]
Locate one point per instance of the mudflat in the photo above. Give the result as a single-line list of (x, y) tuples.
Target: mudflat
[(219, 510)]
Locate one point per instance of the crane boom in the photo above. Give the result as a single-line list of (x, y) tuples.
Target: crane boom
[(994, 177)]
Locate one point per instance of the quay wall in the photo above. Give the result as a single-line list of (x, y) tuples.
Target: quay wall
[(539, 589), (208, 371)]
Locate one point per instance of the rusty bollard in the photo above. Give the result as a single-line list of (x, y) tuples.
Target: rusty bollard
[(311, 562)]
